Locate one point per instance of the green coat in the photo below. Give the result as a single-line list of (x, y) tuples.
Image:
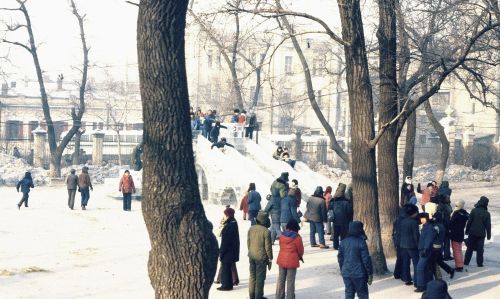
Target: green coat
[(259, 243)]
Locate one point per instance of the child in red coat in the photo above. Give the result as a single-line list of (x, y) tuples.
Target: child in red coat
[(291, 252)]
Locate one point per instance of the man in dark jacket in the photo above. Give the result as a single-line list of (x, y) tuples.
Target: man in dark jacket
[(260, 254), (253, 203), (279, 190), (229, 250), (343, 214), (207, 124), (215, 132), (25, 184), (478, 227), (396, 238), (427, 236), (355, 262), (408, 243), (221, 144), (72, 185), (288, 209), (444, 209), (316, 215), (457, 226)]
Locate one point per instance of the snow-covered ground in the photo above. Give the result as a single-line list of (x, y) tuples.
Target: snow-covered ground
[(49, 251)]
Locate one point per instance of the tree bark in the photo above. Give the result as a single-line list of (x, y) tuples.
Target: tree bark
[(363, 167), (183, 256), (411, 133), (388, 174), (445, 144), (334, 145)]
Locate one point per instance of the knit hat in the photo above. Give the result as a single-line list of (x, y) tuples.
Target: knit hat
[(431, 209), (229, 212)]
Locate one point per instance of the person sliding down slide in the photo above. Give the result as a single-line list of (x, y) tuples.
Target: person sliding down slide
[(221, 144)]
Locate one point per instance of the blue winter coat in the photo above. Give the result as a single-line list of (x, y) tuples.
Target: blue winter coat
[(427, 236), (289, 209), (254, 201), (25, 185), (354, 258), (273, 208)]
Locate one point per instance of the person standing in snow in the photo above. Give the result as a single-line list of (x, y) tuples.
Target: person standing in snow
[(71, 185), (279, 190), (236, 116), (244, 205), (427, 236), (127, 187), (407, 191), (437, 246), (457, 225), (242, 118), (25, 185), (396, 239), (343, 214), (298, 193), (288, 210), (250, 124), (229, 252), (408, 243), (260, 254), (215, 132), (478, 227), (427, 194), (316, 215), (84, 186), (291, 252), (355, 262), (328, 197), (253, 203)]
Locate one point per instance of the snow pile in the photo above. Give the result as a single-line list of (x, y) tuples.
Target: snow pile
[(12, 170), (456, 173), (335, 174), (97, 173)]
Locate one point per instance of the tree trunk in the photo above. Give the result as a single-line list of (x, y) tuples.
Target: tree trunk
[(388, 144), (334, 145), (55, 164), (445, 144), (183, 256), (364, 174), (411, 133), (75, 159)]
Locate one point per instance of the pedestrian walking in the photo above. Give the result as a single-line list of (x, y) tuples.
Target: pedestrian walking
[(408, 243), (279, 190), (25, 185), (343, 215), (229, 252), (84, 186), (355, 262), (396, 239), (437, 246), (457, 226), (316, 215), (478, 227), (425, 242), (244, 205), (127, 187), (71, 185), (291, 252), (253, 203), (288, 210), (260, 255)]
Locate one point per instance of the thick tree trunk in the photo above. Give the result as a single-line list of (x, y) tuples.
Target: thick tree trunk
[(55, 164), (411, 133), (75, 159), (183, 256), (445, 144), (388, 177), (364, 174)]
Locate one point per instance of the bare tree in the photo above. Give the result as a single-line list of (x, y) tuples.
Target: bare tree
[(179, 267), (56, 150)]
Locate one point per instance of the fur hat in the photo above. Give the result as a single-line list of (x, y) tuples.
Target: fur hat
[(431, 209), (263, 219)]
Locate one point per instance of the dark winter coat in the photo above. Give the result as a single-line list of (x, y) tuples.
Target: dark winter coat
[(214, 133), (72, 182), (406, 194), (436, 289), (221, 144), (479, 224), (230, 242), (273, 207), (25, 184), (444, 189), (289, 209), (316, 210), (441, 234), (208, 122), (342, 210), (396, 227), (254, 201), (457, 225), (354, 258), (444, 210), (291, 250), (259, 240), (427, 237), (409, 233)]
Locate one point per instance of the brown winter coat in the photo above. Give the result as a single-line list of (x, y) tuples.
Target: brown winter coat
[(84, 180), (244, 203), (127, 184)]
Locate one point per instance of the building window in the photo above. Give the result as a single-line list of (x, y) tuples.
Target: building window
[(209, 59), (422, 139), (440, 101), (288, 65), (13, 130)]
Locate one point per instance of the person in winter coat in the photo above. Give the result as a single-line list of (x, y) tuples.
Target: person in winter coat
[(396, 238), (444, 209), (436, 289), (25, 184), (277, 153), (426, 193), (279, 190), (207, 125), (291, 252), (244, 205), (343, 214), (457, 226), (71, 185), (236, 115), (260, 254), (407, 191), (478, 227), (253, 203), (328, 197), (298, 193), (127, 187), (84, 184), (215, 132), (288, 210), (250, 124), (437, 253), (355, 262), (221, 144), (316, 215), (229, 252), (444, 189), (424, 267), (408, 243), (242, 118)]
